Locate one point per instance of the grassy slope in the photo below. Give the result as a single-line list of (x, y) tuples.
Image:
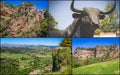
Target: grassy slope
[(20, 55), (14, 55), (109, 67), (64, 71)]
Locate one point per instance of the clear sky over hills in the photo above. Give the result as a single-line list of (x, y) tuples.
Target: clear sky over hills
[(93, 42), (40, 4), (32, 41)]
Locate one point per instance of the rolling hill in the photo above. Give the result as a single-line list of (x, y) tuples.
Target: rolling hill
[(109, 67)]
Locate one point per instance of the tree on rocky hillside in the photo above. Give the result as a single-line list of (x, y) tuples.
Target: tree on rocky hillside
[(113, 16), (52, 22), (67, 42), (24, 21), (109, 23), (62, 58)]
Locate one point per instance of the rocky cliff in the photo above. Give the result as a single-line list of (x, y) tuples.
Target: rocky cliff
[(21, 21), (83, 53), (61, 57), (109, 52)]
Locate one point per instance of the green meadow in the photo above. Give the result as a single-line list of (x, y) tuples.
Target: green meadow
[(109, 67)]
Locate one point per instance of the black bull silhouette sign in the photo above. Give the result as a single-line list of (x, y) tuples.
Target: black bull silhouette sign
[(86, 21)]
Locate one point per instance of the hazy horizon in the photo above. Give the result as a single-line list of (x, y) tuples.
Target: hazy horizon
[(32, 41), (28, 44)]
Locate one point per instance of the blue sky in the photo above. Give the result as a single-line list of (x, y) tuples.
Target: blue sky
[(40, 4), (60, 10), (33, 41), (93, 42)]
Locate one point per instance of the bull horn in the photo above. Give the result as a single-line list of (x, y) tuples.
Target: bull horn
[(75, 10), (110, 11)]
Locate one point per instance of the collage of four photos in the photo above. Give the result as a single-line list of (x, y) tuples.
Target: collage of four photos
[(50, 37)]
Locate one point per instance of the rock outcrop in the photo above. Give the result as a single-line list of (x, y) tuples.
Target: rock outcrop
[(61, 56), (5, 10), (110, 52), (101, 50), (68, 32), (83, 53), (20, 21)]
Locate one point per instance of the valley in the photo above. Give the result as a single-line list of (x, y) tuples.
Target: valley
[(22, 60), (35, 59)]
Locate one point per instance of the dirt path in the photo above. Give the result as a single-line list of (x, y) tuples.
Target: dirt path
[(35, 72)]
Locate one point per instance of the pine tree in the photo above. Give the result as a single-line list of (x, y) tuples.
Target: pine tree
[(67, 42)]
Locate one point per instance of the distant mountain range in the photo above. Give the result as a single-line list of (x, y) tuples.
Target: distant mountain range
[(5, 45)]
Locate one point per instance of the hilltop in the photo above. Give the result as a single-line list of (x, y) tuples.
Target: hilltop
[(23, 20)]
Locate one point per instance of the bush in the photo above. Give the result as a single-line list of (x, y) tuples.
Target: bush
[(9, 66), (44, 28), (5, 33), (78, 64), (23, 58), (98, 31), (18, 31), (26, 13), (25, 34), (82, 62), (93, 60), (62, 57), (31, 16)]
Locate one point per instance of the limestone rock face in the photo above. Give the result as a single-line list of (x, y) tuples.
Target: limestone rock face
[(99, 51), (26, 7), (20, 21), (83, 53), (5, 10), (114, 52)]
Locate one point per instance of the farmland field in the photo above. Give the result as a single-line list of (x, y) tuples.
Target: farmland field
[(26, 63)]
